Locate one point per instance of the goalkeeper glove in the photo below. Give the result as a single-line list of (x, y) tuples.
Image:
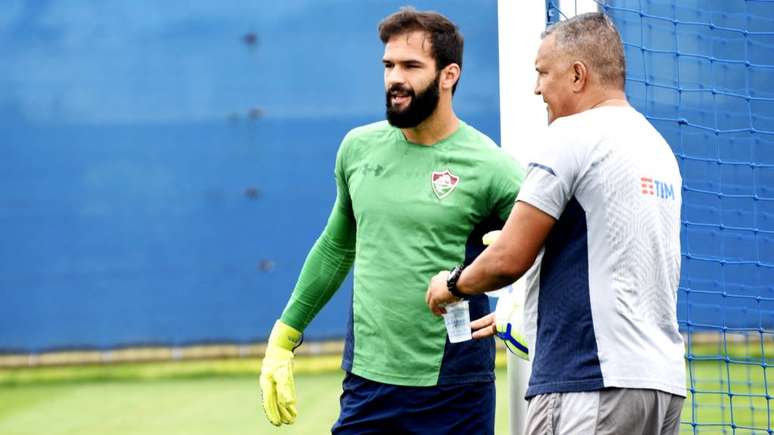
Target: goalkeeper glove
[(490, 237), (277, 385)]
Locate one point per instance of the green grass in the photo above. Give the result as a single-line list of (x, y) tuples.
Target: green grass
[(730, 398), (222, 397), (218, 405), (191, 398)]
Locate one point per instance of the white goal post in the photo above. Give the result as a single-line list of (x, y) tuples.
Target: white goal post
[(522, 123)]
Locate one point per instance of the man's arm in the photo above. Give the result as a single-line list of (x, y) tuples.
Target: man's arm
[(325, 268), (502, 263), (331, 257)]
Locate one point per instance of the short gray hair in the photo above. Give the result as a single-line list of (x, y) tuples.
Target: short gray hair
[(593, 39)]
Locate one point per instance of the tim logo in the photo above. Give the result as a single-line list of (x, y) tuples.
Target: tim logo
[(656, 188)]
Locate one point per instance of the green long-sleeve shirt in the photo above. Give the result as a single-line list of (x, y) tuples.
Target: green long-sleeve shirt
[(404, 212)]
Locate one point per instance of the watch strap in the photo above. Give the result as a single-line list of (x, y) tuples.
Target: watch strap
[(451, 282)]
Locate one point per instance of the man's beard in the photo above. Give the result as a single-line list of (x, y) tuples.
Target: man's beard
[(420, 108)]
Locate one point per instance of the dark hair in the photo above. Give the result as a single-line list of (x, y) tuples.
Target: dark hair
[(446, 41), (593, 39)]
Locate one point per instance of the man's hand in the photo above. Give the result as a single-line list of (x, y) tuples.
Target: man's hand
[(484, 327), (438, 296), (277, 385)]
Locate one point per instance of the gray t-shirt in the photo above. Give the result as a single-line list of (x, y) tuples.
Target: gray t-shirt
[(600, 311)]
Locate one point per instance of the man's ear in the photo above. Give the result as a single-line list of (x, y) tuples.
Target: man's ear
[(581, 76), (450, 74)]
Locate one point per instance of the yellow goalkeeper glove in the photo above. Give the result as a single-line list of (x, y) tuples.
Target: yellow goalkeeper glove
[(277, 385)]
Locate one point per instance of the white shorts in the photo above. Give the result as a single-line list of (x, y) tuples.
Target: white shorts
[(610, 411)]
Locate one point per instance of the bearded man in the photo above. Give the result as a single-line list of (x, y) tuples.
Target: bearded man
[(415, 194)]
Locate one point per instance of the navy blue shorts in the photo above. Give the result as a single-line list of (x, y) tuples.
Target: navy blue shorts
[(369, 407)]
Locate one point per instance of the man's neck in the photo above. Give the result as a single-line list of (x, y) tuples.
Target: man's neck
[(438, 126), (605, 97)]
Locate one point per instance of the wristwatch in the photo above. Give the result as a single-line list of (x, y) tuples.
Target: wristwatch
[(451, 281)]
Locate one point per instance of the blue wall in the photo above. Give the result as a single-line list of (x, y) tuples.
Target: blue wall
[(165, 166)]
